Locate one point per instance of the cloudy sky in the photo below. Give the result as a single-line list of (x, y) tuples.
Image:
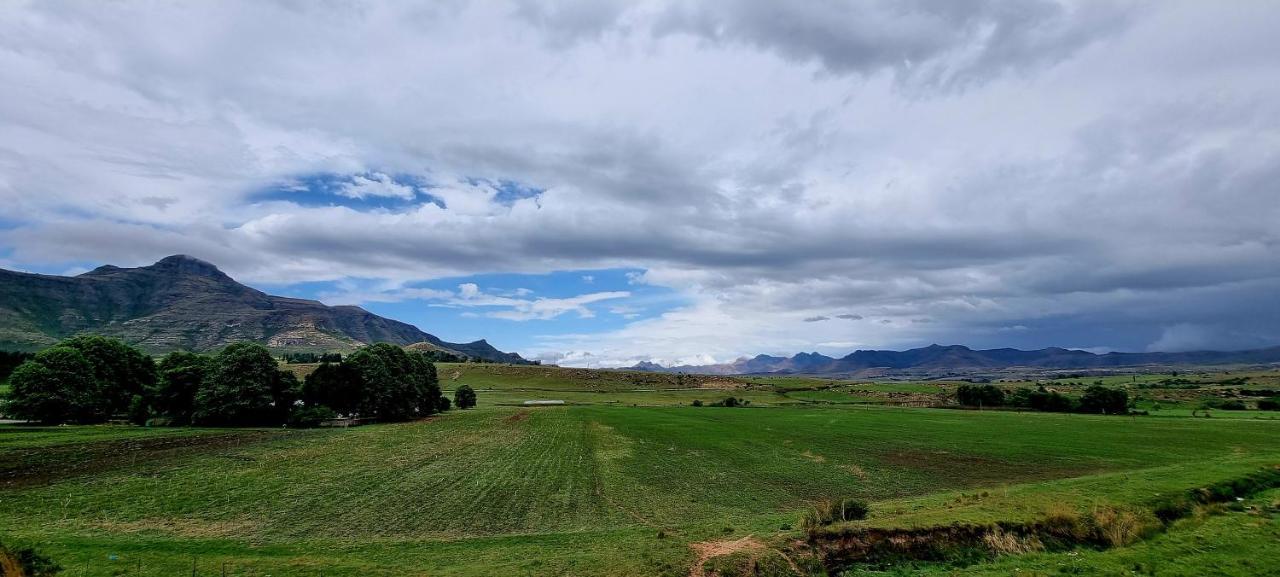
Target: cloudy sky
[(600, 182)]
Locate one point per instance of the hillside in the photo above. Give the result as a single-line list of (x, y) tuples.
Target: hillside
[(182, 302), (937, 357)]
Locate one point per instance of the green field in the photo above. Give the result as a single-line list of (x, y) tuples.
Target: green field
[(583, 490)]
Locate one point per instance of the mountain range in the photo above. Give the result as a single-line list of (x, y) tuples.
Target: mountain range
[(958, 357), (184, 303)]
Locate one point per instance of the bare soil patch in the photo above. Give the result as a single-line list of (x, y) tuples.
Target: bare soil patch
[(708, 549)]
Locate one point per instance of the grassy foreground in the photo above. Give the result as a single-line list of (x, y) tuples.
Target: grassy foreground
[(579, 490)]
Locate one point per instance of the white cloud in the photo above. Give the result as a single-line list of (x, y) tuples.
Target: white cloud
[(376, 185)]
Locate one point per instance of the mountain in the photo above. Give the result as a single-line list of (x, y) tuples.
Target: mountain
[(185, 303), (957, 357)]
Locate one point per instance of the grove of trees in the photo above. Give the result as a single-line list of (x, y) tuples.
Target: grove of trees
[(1096, 399), (91, 379)]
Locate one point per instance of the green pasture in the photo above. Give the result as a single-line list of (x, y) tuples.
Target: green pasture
[(600, 489)]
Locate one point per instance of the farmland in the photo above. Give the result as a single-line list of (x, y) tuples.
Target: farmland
[(620, 482)]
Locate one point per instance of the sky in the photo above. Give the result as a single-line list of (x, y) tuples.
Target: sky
[(596, 183)]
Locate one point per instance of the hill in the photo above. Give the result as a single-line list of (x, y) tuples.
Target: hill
[(183, 302), (957, 357)]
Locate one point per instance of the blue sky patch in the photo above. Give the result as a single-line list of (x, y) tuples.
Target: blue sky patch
[(511, 311)]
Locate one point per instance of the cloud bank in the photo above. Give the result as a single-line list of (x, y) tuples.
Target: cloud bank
[(1100, 174)]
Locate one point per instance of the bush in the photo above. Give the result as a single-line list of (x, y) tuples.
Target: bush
[(730, 402), (1050, 401), (827, 512), (464, 397), (139, 411), (1104, 400), (980, 396), (1232, 405), (1116, 527), (10, 361), (310, 417), (1272, 404), (697, 402), (26, 563)]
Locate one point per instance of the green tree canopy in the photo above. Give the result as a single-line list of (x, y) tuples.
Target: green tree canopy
[(1100, 399), (56, 386), (181, 376), (464, 397), (120, 371), (245, 387)]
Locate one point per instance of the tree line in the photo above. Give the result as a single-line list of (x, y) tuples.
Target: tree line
[(1096, 399), (92, 379)]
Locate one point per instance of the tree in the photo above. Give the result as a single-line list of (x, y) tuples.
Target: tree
[(10, 361), (120, 371), (980, 396), (245, 387), (395, 385), (1104, 400), (334, 385), (464, 397), (181, 376), (56, 386), (1050, 401)]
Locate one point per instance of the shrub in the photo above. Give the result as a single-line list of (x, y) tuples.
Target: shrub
[(26, 563), (1001, 542), (1272, 404), (730, 402), (980, 396), (1050, 401), (1116, 527), (697, 402), (311, 416), (1104, 400), (827, 512), (139, 411), (464, 397), (1232, 405), (1171, 509)]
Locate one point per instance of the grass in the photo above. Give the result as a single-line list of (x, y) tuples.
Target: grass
[(621, 482), (584, 490)]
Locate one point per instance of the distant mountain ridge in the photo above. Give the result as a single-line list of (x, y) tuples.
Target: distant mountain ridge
[(182, 302), (938, 357)]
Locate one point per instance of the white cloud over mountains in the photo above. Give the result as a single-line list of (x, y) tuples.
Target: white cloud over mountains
[(1102, 174)]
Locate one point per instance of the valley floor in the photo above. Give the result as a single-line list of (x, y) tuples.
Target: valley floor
[(607, 489)]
